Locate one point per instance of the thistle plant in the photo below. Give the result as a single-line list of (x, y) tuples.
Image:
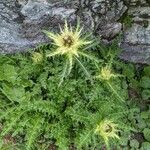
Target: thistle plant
[(107, 129), (69, 44), (106, 75), (35, 112)]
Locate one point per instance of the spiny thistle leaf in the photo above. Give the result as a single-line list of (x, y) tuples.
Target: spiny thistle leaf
[(33, 132)]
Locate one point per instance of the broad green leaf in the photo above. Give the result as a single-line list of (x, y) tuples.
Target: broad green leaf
[(145, 82), (134, 143), (8, 73), (145, 146), (13, 93), (146, 133)]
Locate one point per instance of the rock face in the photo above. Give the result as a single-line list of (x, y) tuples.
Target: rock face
[(22, 22), (136, 42)]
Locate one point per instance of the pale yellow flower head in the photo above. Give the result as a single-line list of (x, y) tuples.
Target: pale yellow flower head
[(37, 57), (106, 73), (68, 41), (107, 129), (70, 44)]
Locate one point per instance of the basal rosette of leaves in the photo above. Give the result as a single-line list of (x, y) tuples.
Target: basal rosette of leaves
[(37, 113)]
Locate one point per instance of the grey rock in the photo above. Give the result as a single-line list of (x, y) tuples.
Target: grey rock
[(136, 53), (22, 22), (109, 31), (10, 27), (138, 35), (101, 13), (137, 2), (136, 42)]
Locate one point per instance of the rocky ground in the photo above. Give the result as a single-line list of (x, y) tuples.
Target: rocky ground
[(22, 21)]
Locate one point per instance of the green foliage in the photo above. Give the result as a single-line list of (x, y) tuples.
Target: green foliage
[(134, 144), (127, 20), (34, 109), (146, 132), (145, 146)]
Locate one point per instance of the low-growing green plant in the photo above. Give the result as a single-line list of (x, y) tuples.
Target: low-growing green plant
[(69, 44), (82, 113)]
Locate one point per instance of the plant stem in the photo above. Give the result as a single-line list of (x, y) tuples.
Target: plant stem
[(87, 73), (115, 92), (63, 74)]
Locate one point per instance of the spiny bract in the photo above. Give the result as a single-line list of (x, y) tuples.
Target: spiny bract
[(106, 73), (107, 129), (68, 41)]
